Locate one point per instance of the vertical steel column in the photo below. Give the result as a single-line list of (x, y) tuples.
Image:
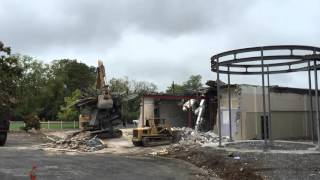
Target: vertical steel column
[(269, 103), (142, 121), (229, 99), (311, 105), (264, 101), (317, 99), (218, 100), (190, 115)]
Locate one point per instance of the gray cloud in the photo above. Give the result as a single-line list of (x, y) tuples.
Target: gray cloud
[(155, 40), (82, 23)]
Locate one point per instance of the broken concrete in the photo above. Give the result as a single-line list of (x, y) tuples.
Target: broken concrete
[(79, 141), (187, 136)]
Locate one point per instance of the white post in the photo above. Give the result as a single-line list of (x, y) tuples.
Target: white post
[(200, 112)]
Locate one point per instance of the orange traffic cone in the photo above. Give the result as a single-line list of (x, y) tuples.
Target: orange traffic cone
[(32, 173)]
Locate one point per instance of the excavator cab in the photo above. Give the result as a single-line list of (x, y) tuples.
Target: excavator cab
[(155, 132)]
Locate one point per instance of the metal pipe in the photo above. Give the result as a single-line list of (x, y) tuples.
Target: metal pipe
[(269, 103), (142, 121), (264, 102), (317, 99), (311, 105), (229, 99), (218, 100)]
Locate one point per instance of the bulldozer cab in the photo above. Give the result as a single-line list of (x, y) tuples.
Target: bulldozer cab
[(156, 122), (158, 125), (155, 132)]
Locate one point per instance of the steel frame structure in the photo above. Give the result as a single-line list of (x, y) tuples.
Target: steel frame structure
[(266, 60)]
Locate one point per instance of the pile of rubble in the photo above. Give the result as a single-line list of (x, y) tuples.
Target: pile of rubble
[(190, 136), (80, 141)]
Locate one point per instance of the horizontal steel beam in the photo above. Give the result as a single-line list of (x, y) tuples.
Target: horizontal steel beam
[(247, 68), (266, 48)]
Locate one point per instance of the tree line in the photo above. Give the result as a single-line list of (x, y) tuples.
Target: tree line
[(30, 87)]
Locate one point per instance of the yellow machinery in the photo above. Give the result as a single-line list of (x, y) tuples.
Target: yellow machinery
[(156, 132), (84, 121)]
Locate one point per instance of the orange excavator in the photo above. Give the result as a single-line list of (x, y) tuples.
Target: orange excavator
[(101, 112)]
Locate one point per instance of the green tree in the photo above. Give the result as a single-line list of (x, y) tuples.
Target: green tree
[(141, 87), (175, 88), (42, 87), (192, 84), (31, 86), (10, 72), (129, 89), (68, 112), (73, 74), (119, 85), (65, 77)]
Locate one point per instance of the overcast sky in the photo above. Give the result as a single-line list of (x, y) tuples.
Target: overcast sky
[(157, 40)]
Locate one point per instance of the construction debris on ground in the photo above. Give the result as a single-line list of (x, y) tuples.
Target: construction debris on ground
[(186, 137), (190, 136), (79, 141)]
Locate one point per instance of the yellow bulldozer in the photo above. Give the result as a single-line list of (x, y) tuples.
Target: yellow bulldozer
[(155, 132)]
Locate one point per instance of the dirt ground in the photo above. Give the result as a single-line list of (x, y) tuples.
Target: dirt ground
[(120, 146), (230, 162), (23, 150), (219, 163), (251, 165)]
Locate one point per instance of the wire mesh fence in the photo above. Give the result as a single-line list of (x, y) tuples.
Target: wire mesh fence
[(55, 125)]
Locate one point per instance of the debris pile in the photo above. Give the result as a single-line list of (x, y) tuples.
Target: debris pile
[(189, 136), (81, 141)]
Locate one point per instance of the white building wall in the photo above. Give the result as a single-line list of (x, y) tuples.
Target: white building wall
[(146, 111), (235, 108), (289, 113)]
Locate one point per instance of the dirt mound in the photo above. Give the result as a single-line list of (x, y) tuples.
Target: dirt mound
[(218, 163)]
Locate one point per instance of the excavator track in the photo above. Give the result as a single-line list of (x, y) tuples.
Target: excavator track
[(115, 133), (156, 140)]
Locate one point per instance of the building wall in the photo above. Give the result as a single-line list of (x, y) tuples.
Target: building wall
[(284, 125), (147, 112), (289, 113), (172, 111), (168, 109), (235, 108)]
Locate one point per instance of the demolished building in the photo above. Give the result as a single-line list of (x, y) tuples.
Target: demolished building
[(167, 106), (170, 106), (244, 110), (289, 111)]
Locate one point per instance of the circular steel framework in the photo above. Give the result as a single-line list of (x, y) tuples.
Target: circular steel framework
[(263, 61)]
